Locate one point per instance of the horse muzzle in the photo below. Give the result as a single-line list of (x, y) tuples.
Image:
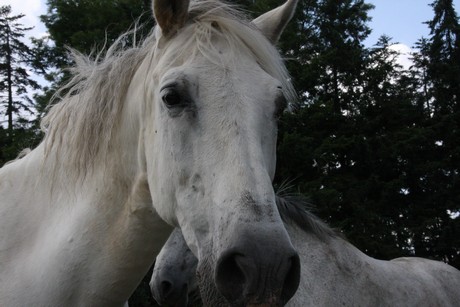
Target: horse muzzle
[(254, 273)]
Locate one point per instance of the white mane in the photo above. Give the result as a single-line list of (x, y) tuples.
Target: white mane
[(87, 108), (80, 125)]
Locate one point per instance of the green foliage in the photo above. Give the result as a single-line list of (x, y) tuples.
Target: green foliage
[(88, 25), (375, 146)]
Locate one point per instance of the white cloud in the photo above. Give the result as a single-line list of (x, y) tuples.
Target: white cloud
[(32, 9), (404, 55)]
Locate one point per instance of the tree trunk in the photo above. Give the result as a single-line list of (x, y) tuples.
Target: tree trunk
[(9, 69)]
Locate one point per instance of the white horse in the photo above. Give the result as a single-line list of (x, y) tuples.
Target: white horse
[(334, 272), (182, 129)]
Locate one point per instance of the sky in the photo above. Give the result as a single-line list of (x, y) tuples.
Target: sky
[(32, 9), (403, 21), (400, 19)]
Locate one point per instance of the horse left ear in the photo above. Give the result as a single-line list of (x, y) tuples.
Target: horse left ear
[(170, 15), (273, 22)]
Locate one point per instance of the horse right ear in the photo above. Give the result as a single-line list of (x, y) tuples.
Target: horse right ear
[(170, 15), (273, 22)]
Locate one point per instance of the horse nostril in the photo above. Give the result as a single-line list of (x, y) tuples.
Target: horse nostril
[(230, 276), (166, 288), (170, 292), (292, 279), (242, 279)]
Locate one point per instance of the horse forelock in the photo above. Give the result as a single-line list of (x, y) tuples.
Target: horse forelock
[(85, 112), (211, 18)]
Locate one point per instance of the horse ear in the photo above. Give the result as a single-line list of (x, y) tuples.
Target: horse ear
[(273, 22), (170, 15)]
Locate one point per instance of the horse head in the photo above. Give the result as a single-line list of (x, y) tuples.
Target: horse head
[(213, 91)]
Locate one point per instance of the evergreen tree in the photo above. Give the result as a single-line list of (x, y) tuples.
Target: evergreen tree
[(419, 73), (444, 54), (92, 25), (16, 104), (436, 183), (322, 146), (15, 58)]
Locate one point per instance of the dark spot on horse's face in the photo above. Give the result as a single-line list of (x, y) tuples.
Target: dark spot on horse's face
[(197, 184), (256, 210), (183, 178)]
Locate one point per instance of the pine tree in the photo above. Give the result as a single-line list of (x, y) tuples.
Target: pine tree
[(92, 25), (444, 54), (321, 143), (419, 72), (436, 233), (15, 57), (16, 104)]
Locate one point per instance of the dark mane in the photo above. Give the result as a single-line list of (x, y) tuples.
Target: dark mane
[(294, 210)]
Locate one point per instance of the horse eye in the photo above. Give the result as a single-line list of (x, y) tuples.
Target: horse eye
[(171, 98)]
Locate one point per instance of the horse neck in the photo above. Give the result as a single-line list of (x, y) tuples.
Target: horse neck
[(100, 225), (328, 265)]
